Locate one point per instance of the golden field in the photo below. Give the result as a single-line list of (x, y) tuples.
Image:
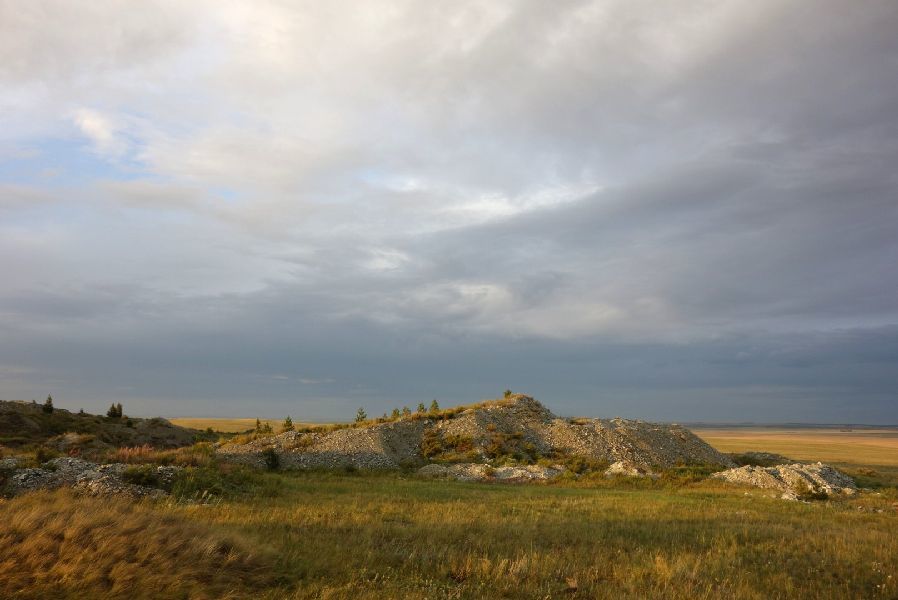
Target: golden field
[(859, 447)]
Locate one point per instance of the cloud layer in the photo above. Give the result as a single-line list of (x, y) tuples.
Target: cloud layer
[(678, 212)]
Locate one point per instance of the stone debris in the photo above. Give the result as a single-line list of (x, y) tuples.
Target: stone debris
[(398, 444), (9, 463), (88, 477), (625, 469), (793, 480), (481, 472)]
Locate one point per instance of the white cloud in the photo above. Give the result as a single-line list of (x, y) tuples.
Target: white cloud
[(101, 130)]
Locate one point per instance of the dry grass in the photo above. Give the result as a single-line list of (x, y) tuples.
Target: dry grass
[(332, 535), (198, 455), (383, 536), (56, 545), (860, 447), (327, 535)]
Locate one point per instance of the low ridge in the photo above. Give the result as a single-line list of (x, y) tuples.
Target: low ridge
[(517, 429)]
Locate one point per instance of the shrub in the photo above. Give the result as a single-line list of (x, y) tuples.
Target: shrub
[(43, 454), (271, 458), (361, 415), (434, 406), (48, 405), (508, 393), (288, 424), (421, 407), (141, 475), (431, 443)]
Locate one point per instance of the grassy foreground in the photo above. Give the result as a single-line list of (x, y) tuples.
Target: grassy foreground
[(318, 535)]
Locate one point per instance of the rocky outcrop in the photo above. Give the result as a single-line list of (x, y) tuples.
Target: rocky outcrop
[(793, 481), (91, 478), (517, 428)]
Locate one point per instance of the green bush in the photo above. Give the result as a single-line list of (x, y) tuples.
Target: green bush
[(271, 458), (145, 475)]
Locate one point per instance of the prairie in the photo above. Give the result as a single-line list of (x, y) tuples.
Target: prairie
[(858, 447), (232, 532)]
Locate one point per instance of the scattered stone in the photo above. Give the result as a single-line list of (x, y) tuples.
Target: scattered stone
[(625, 469), (10, 463), (482, 472), (793, 480), (88, 477)]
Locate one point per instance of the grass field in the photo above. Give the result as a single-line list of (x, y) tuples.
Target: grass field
[(365, 535), (315, 535)]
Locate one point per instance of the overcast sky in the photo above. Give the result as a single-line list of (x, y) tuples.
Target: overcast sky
[(662, 210)]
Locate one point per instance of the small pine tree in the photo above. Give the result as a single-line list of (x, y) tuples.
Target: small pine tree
[(266, 428), (118, 410), (394, 414), (421, 407), (434, 406), (288, 424), (508, 393), (361, 415), (112, 412), (258, 425), (48, 405), (406, 411)]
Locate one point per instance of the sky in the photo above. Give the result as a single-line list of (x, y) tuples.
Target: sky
[(679, 211)]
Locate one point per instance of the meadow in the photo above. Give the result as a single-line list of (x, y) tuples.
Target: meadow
[(366, 535)]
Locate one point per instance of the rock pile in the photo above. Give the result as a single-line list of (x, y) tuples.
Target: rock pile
[(90, 478), (518, 426), (793, 481)]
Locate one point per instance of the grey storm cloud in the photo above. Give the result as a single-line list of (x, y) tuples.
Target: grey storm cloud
[(682, 211)]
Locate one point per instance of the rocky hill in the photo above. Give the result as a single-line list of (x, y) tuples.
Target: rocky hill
[(26, 423), (516, 429)]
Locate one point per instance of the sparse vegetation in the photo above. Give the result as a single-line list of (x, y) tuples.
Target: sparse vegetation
[(360, 415), (48, 405)]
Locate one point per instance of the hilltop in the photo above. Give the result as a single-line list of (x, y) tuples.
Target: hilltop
[(517, 429), (26, 424)]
